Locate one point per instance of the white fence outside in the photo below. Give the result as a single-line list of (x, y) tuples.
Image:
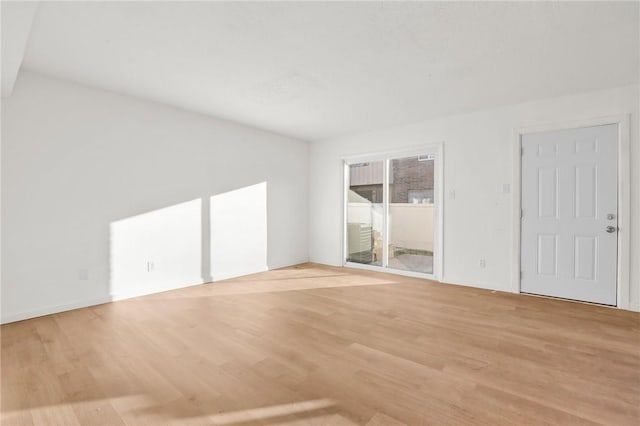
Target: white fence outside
[(410, 225)]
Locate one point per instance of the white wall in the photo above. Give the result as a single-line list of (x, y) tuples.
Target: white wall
[(156, 251), (238, 232), (81, 166), (478, 160), (79, 163)]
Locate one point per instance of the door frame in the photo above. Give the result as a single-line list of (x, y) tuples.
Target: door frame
[(438, 196), (624, 197)]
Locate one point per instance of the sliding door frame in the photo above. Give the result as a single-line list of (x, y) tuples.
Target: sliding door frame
[(438, 192)]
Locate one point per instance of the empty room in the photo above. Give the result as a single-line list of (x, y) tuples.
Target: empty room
[(323, 213)]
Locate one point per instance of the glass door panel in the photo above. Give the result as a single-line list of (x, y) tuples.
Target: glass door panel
[(411, 213), (365, 213)]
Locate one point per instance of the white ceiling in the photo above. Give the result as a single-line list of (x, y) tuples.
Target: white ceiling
[(317, 70)]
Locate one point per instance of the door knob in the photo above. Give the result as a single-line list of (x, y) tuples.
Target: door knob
[(611, 229)]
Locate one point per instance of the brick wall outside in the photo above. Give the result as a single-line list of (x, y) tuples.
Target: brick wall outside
[(410, 174), (407, 174)]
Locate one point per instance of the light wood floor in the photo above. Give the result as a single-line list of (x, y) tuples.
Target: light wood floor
[(314, 345)]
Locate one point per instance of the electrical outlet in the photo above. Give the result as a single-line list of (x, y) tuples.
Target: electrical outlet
[(506, 188), (83, 274), (452, 194), (483, 263), (150, 266)]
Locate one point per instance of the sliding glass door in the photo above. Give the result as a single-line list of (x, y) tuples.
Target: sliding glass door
[(410, 213), (391, 212), (365, 213)]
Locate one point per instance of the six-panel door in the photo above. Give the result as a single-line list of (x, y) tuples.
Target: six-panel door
[(569, 214)]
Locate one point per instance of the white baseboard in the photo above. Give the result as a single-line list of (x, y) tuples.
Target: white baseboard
[(56, 309), (485, 286), (48, 310), (129, 295)]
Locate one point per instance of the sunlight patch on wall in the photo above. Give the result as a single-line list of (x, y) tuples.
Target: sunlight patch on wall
[(156, 251), (239, 232)]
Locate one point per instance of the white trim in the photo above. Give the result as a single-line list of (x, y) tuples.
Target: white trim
[(146, 292), (114, 297), (624, 197), (438, 198), (624, 213), (48, 310), (385, 217), (78, 304), (345, 199), (383, 155), (485, 285), (438, 256), (389, 271)]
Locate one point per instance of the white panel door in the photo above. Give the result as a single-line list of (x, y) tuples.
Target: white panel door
[(570, 214)]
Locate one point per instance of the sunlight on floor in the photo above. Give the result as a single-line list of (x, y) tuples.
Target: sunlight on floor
[(254, 414), (279, 281), (101, 409), (303, 412)]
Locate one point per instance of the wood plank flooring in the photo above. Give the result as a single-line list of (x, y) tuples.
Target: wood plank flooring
[(315, 345)]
